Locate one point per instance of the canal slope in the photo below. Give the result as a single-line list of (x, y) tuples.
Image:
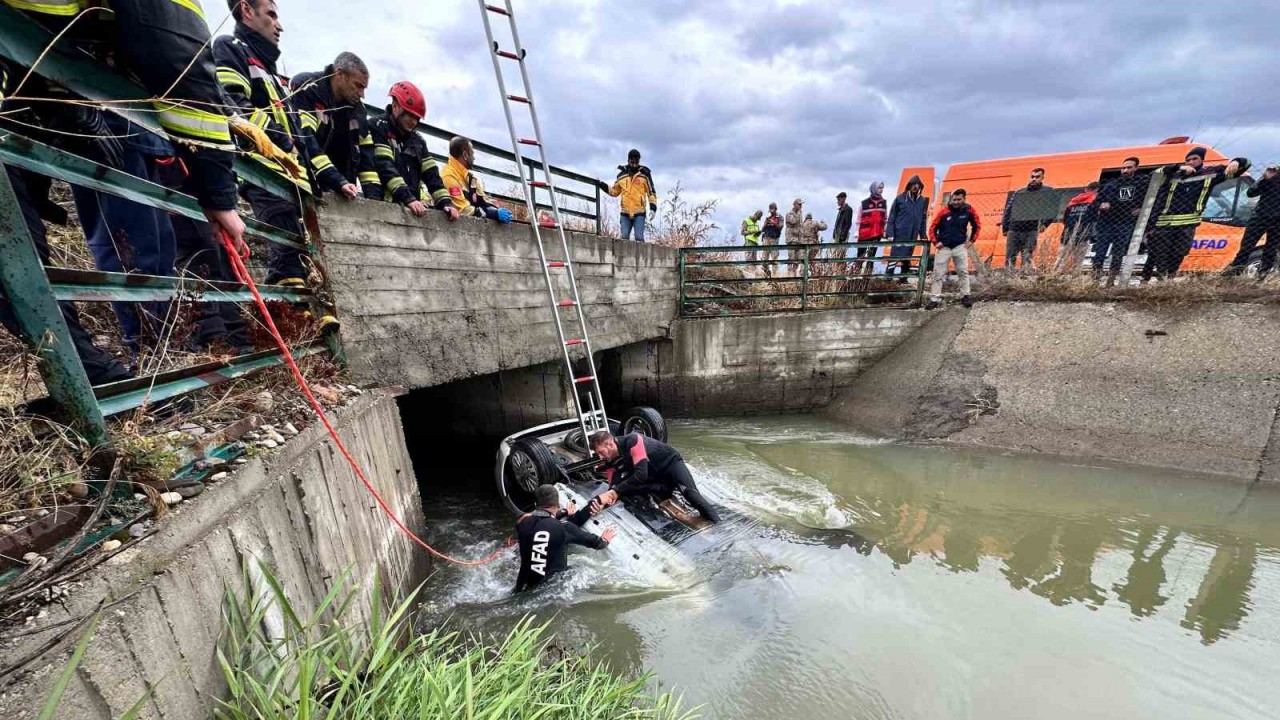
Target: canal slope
[(1195, 388)]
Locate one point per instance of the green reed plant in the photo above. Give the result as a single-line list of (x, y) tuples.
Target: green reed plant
[(280, 665)]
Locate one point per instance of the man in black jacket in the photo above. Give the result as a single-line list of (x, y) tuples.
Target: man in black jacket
[(1265, 222), (1118, 206), (1022, 235), (545, 534), (639, 465)]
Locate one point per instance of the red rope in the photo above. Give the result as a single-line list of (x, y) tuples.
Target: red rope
[(237, 257)]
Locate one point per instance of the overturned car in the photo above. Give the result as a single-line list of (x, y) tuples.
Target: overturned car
[(558, 454)]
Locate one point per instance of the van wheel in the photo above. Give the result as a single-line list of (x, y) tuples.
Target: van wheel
[(646, 421), (529, 465)]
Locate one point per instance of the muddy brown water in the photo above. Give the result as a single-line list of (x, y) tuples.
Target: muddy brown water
[(876, 580)]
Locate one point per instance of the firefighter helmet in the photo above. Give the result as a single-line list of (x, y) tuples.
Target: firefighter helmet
[(410, 98)]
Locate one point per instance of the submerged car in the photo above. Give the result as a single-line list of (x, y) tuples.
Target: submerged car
[(558, 454)]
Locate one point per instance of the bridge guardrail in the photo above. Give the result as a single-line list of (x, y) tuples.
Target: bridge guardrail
[(821, 276)]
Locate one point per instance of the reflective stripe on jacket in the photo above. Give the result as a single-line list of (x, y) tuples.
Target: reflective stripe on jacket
[(751, 231), (405, 167)]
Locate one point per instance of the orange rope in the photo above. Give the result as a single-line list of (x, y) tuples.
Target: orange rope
[(237, 257)]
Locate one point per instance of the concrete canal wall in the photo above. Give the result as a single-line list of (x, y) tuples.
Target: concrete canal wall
[(301, 511), (754, 365), (424, 301), (1195, 388)]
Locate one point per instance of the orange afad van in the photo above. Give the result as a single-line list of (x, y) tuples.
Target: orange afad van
[(989, 183)]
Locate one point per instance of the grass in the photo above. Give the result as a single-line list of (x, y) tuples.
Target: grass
[(325, 666)]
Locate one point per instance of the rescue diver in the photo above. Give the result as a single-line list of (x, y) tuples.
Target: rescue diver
[(639, 465), (545, 534)]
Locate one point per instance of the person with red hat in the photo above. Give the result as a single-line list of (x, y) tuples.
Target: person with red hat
[(401, 157)]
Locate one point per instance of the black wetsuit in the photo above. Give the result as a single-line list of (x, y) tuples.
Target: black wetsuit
[(543, 543), (649, 467)]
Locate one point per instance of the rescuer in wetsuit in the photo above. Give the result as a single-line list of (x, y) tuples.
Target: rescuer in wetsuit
[(639, 465), (545, 534)]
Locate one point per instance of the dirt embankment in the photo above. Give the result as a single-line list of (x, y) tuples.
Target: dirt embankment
[(1195, 388)]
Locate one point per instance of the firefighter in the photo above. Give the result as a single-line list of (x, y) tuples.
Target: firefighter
[(465, 189), (165, 39), (408, 173), (635, 186), (1182, 200), (636, 464), (545, 534), (333, 126), (248, 74)]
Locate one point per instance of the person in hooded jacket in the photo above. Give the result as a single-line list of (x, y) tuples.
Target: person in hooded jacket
[(908, 221), (872, 221), (1265, 222)]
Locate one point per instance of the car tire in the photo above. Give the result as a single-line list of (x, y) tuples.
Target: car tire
[(529, 464), (644, 420)]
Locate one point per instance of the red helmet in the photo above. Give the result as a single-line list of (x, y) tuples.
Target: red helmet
[(410, 98)]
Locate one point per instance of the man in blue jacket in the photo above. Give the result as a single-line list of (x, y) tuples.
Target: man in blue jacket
[(908, 221), (952, 239)]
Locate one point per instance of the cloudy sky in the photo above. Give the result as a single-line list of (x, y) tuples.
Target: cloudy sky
[(749, 102)]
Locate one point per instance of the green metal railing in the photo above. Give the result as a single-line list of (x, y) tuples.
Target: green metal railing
[(812, 277), (34, 291)]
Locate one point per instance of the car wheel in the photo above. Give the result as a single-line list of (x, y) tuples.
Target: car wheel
[(529, 464), (646, 421)]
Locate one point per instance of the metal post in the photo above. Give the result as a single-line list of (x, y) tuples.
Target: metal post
[(804, 279), (600, 219), (1140, 228), (924, 272), (533, 192), (27, 289), (682, 290)]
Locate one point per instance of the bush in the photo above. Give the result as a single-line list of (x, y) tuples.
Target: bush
[(326, 668)]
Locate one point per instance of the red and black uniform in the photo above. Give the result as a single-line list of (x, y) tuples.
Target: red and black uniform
[(404, 166), (1077, 218), (950, 227), (544, 541), (650, 467), (1180, 204), (872, 223)]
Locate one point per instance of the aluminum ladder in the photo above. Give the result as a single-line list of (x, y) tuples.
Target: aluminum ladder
[(591, 412)]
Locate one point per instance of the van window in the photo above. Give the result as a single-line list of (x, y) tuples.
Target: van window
[(1228, 204)]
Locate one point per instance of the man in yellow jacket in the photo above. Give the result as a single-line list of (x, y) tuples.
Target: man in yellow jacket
[(464, 188), (635, 185)]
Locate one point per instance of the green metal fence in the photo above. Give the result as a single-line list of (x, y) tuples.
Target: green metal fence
[(724, 280), (34, 291)]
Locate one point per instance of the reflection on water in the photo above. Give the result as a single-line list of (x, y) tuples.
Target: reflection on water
[(878, 580), (1050, 523)]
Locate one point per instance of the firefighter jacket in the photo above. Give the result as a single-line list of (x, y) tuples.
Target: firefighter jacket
[(635, 185), (950, 227), (872, 219), (335, 136), (156, 40), (404, 166), (248, 76), (1184, 198), (466, 190)]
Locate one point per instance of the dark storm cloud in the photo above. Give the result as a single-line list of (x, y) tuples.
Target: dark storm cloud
[(756, 101)]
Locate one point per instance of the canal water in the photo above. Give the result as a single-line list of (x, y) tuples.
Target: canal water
[(867, 579)]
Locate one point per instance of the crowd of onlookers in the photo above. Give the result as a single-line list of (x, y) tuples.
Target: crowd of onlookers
[(1101, 220)]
